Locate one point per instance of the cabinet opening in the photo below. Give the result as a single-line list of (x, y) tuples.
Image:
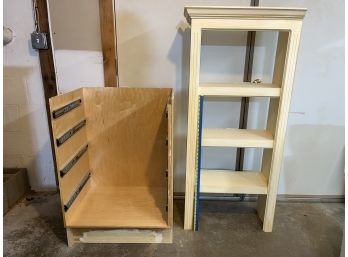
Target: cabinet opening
[(128, 144)]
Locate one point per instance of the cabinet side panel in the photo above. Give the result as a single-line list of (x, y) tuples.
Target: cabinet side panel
[(170, 158), (67, 111)]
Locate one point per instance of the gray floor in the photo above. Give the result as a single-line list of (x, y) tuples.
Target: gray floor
[(34, 228)]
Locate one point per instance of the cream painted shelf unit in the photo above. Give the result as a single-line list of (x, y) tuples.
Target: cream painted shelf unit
[(114, 150), (288, 23)]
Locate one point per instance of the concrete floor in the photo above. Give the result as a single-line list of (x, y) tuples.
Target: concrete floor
[(34, 228)]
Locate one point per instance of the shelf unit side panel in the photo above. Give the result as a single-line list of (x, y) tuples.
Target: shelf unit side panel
[(273, 109), (192, 125), (280, 129)]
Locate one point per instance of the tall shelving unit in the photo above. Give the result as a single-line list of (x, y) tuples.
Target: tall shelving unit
[(264, 183)]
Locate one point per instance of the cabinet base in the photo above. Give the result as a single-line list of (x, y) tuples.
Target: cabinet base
[(77, 235)]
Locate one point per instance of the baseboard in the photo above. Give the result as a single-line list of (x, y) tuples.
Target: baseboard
[(280, 198)]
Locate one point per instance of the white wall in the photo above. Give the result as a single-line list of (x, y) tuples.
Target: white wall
[(314, 150), (26, 137), (75, 30), (156, 53), (153, 46)]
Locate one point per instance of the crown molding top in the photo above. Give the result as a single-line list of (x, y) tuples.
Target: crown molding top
[(238, 12)]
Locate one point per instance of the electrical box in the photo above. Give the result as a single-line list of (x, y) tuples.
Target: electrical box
[(39, 40)]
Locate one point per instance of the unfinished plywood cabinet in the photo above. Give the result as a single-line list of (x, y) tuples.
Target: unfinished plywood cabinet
[(288, 23), (114, 160)]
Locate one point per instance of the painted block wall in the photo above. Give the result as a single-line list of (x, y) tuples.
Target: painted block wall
[(26, 136), (153, 45), (314, 149)]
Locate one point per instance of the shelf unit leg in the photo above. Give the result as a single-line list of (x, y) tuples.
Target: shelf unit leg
[(284, 71), (192, 125)]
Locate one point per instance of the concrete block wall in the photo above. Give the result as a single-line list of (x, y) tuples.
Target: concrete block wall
[(26, 136)]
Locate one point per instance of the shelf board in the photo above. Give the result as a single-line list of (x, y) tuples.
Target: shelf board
[(239, 89), (234, 182), (231, 137), (121, 207)]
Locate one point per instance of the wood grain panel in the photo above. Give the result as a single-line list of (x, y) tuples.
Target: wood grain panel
[(109, 42), (65, 152), (127, 130), (170, 108), (69, 148), (48, 70), (69, 182), (120, 207), (130, 139)]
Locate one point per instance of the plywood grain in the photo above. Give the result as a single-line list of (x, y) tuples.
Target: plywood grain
[(120, 207), (170, 109), (127, 132), (69, 182), (66, 151)]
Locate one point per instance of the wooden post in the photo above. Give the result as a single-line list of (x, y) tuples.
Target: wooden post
[(109, 42), (196, 34), (47, 67)]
